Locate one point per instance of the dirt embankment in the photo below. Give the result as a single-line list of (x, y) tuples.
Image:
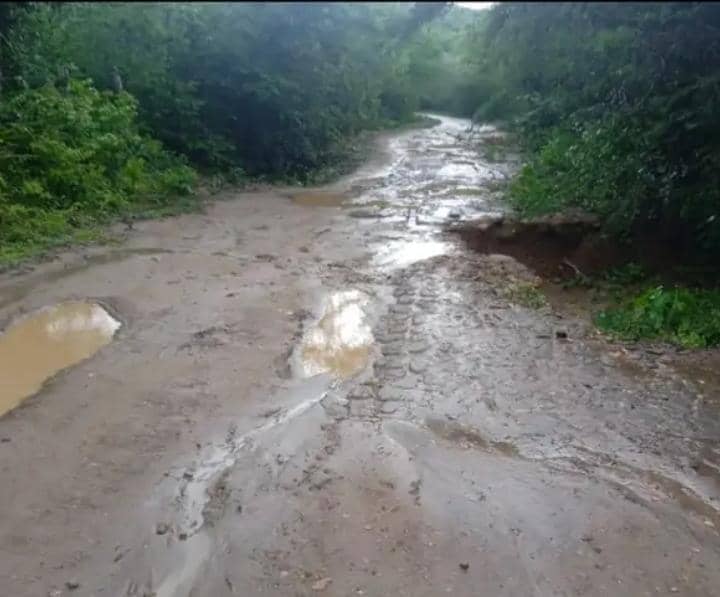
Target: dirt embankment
[(564, 246)]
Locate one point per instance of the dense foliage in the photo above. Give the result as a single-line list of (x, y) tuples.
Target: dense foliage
[(71, 157), (266, 87), (98, 98), (618, 106)]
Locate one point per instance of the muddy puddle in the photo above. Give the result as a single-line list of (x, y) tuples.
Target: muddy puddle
[(319, 199), (401, 253), (341, 340), (38, 346)]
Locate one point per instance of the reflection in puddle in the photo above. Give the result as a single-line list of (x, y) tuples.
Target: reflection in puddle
[(319, 199), (340, 342), (403, 253), (39, 346)]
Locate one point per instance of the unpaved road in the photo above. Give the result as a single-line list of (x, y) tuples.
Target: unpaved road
[(460, 447)]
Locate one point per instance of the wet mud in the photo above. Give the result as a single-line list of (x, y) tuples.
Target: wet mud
[(319, 401), (319, 199)]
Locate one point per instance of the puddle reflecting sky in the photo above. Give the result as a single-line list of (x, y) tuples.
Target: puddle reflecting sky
[(402, 253), (42, 344), (340, 342)]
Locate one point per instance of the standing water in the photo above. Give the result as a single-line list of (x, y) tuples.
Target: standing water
[(46, 342)]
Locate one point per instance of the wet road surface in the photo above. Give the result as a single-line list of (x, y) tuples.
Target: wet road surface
[(322, 393)]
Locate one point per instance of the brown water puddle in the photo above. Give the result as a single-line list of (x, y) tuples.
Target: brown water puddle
[(340, 342), (319, 199), (40, 345)]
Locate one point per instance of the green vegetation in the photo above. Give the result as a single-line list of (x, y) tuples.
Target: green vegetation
[(525, 294), (617, 106), (73, 158), (111, 109), (690, 318)]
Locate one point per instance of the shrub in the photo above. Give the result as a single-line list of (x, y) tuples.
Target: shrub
[(70, 158), (688, 317)]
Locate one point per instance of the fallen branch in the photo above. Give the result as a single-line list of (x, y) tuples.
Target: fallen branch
[(574, 267)]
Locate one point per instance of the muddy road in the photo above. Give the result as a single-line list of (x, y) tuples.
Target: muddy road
[(325, 393)]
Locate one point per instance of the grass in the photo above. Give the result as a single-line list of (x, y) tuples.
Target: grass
[(642, 308), (686, 317), (91, 230), (525, 294)]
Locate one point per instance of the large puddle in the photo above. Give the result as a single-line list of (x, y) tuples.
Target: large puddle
[(340, 342), (40, 345)]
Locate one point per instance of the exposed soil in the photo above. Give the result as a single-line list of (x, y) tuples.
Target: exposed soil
[(337, 397)]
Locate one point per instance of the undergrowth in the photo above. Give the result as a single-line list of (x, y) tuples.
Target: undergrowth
[(525, 294), (684, 316), (643, 308), (74, 159)]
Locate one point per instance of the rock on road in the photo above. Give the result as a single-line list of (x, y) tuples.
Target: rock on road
[(322, 393)]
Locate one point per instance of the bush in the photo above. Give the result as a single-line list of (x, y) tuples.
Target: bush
[(688, 317), (75, 157)]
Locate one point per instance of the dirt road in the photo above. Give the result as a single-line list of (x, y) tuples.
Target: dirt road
[(321, 393)]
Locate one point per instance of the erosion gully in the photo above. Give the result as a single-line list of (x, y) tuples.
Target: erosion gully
[(322, 391)]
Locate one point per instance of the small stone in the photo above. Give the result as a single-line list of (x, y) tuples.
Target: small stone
[(162, 528), (464, 566), (321, 584), (72, 584)]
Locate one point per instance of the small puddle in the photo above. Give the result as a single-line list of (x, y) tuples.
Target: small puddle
[(40, 345), (340, 342), (403, 253), (466, 436), (319, 199)]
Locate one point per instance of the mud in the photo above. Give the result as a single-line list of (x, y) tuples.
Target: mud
[(319, 199), (308, 402), (555, 248)]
